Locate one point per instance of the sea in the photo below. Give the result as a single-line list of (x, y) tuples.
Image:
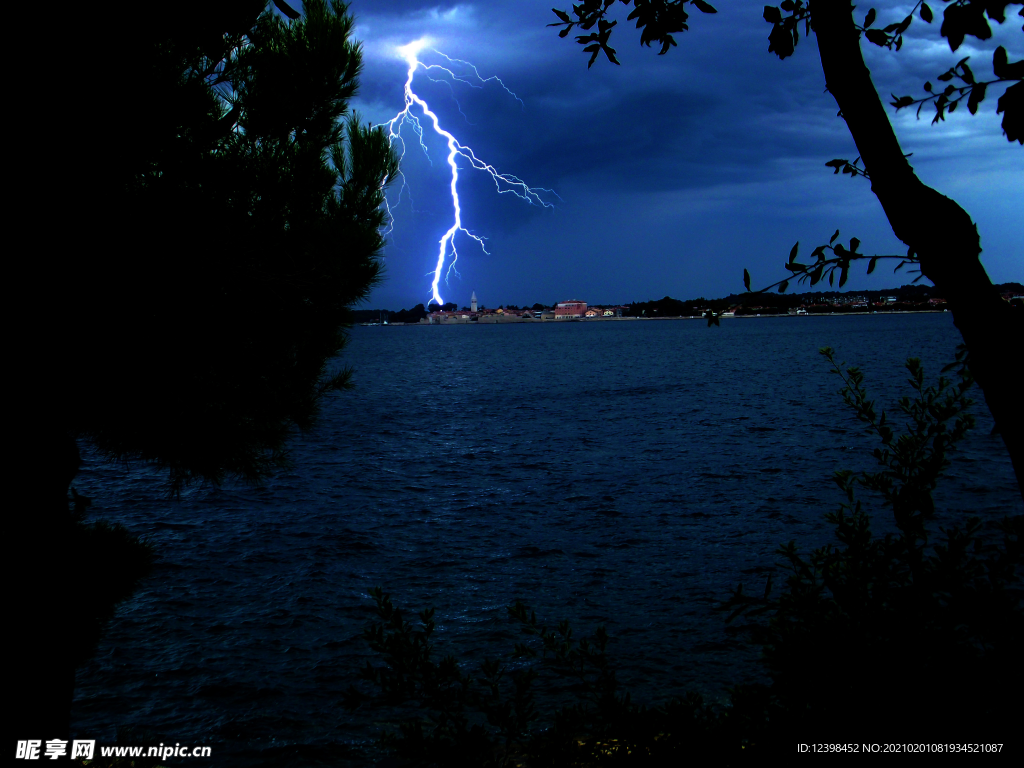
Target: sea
[(625, 474)]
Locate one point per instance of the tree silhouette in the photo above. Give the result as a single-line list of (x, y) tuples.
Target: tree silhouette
[(940, 235), (231, 216)]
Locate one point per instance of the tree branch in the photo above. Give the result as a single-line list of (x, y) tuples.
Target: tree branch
[(938, 230)]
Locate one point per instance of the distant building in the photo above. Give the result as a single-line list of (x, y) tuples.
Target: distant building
[(448, 318), (472, 303), (569, 310)]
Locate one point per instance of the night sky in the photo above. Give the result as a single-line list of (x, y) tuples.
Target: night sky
[(674, 172)]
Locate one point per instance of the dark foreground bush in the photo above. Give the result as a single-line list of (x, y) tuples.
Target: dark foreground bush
[(107, 564), (908, 637)]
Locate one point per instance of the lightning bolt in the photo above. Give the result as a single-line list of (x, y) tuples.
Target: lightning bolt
[(504, 183)]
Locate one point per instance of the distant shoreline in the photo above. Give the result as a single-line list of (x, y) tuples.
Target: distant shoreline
[(589, 320)]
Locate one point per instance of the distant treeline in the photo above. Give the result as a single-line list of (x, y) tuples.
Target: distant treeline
[(413, 315), (767, 303), (778, 303)]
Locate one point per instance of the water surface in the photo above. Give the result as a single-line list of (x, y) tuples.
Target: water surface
[(620, 473)]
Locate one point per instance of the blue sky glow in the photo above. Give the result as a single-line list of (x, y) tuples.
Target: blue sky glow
[(674, 172)]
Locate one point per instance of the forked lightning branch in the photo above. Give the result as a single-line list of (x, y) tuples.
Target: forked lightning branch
[(505, 183)]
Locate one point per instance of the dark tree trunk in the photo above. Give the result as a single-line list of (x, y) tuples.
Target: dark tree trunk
[(939, 231), (42, 627)]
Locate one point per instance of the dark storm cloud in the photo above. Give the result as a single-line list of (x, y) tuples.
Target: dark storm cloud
[(717, 125)]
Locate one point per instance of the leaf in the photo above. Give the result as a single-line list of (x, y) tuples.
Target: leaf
[(968, 76), (999, 62), (954, 21), (976, 97), (926, 13), (834, 237), (845, 274), (871, 264), (816, 275), (870, 18), (1003, 69), (928, 87), (703, 7), (1011, 104), (562, 15), (772, 15), (781, 42), (903, 25), (746, 279), (783, 286), (854, 244), (831, 275), (877, 36), (946, 76), (792, 252)]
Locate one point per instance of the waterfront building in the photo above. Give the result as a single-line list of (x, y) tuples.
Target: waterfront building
[(570, 310), (472, 303)]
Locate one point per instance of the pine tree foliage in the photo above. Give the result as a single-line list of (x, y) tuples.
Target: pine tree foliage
[(236, 203)]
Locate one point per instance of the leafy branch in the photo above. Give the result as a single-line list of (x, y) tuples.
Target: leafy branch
[(891, 36), (852, 584), (486, 720), (460, 707), (973, 90), (658, 20), (825, 266), (785, 32), (912, 462), (586, 660), (854, 168), (960, 18)]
